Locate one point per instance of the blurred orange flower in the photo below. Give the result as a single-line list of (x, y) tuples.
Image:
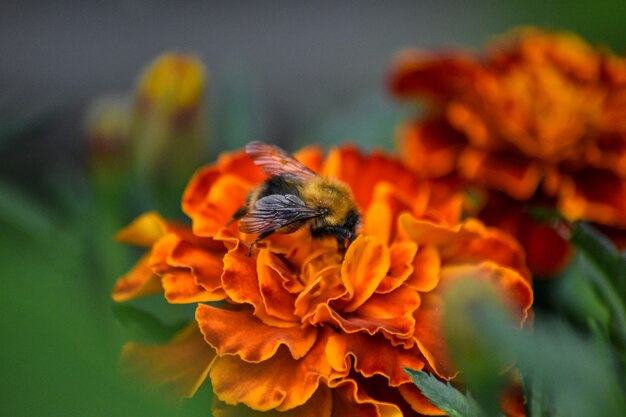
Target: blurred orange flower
[(540, 118), (297, 328)]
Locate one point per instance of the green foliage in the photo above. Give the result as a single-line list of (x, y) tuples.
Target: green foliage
[(566, 370), (444, 395)]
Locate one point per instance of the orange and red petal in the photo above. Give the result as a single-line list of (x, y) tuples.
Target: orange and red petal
[(274, 278), (416, 73), (595, 195), (401, 268), (418, 401), (430, 337), (511, 173), (180, 287), (140, 281), (319, 405), (205, 265), (362, 172), (372, 355), (239, 332), (349, 399), (240, 280), (179, 367), (431, 148), (280, 383), (144, 231), (365, 265)]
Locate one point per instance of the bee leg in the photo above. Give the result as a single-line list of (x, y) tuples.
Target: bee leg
[(254, 242), (241, 211)]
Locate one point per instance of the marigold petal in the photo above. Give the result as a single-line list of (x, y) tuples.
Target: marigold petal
[(273, 275), (325, 287), (426, 266), (596, 195), (226, 195), (206, 266), (514, 174), (431, 148), (198, 188), (430, 338), (144, 231), (418, 401), (138, 282), (351, 400), (319, 405), (387, 202), (364, 267), (348, 165), (401, 268), (241, 333), (388, 361), (180, 366), (397, 303), (281, 382), (429, 317), (511, 285), (240, 280), (180, 287), (415, 72), (400, 327)]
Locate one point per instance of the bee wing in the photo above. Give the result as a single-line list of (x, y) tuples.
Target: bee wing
[(275, 161), (275, 211)]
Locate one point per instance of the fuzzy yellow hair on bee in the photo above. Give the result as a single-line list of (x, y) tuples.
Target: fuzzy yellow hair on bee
[(294, 197)]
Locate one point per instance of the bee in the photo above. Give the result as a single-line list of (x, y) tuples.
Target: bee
[(294, 197)]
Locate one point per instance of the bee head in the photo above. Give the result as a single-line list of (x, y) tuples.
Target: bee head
[(351, 223)]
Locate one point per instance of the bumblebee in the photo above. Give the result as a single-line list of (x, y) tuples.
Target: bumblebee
[(294, 197)]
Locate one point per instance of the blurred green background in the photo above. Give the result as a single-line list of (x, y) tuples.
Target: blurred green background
[(291, 73)]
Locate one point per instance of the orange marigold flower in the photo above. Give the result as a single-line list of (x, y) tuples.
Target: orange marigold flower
[(539, 117), (299, 328)]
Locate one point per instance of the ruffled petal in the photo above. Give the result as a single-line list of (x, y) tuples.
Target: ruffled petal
[(400, 327), (138, 282), (430, 338), (429, 332), (280, 383), (351, 400), (514, 174), (415, 73), (348, 165), (180, 287), (431, 148), (388, 201), (364, 267), (426, 265), (274, 276), (418, 401), (206, 266), (401, 267), (226, 195), (179, 367), (387, 361), (240, 280), (144, 230), (596, 195), (240, 333), (320, 405)]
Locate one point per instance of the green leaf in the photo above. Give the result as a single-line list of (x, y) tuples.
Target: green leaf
[(444, 395), (145, 326), (602, 252), (607, 269)]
